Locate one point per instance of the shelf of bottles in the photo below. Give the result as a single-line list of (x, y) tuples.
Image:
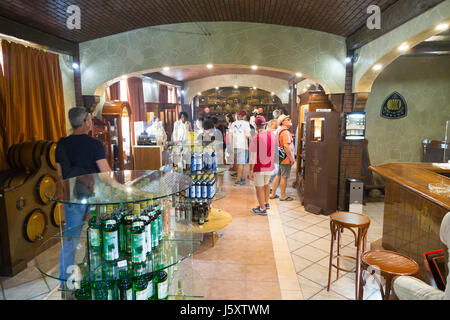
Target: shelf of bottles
[(124, 251), (199, 162)]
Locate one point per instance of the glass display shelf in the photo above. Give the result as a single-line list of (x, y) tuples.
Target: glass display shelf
[(118, 187)]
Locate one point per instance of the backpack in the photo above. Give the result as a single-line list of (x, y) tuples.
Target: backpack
[(281, 153)]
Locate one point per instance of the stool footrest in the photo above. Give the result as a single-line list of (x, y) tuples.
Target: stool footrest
[(341, 269)]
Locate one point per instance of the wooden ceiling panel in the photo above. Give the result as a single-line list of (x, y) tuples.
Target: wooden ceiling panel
[(100, 18)]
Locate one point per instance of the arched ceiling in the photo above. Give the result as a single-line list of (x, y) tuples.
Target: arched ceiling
[(100, 18)]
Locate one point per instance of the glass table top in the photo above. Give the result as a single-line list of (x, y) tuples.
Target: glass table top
[(118, 187), (67, 256)]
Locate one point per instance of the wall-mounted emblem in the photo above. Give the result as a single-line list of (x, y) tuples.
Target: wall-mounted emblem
[(394, 107)]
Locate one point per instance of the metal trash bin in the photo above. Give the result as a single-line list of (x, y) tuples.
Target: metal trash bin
[(354, 193)]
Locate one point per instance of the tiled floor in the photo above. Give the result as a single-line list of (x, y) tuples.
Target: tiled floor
[(280, 256)]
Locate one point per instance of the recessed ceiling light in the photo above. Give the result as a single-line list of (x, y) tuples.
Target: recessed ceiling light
[(403, 47), (272, 93), (199, 93), (442, 27), (182, 91), (377, 67), (217, 88), (124, 77), (235, 86), (166, 68), (348, 60), (75, 65), (254, 88), (308, 85), (304, 89), (299, 74), (254, 67), (209, 66)]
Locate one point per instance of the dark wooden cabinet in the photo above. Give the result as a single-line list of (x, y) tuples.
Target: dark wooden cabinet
[(321, 162)]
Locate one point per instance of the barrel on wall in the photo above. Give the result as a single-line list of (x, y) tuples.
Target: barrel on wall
[(28, 217)]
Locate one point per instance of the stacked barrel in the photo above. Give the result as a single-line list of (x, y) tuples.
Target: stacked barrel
[(30, 215)]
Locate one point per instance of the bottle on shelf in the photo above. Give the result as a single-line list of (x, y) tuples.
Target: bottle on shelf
[(110, 240), (125, 287), (95, 231), (161, 285), (140, 287), (138, 248), (180, 293)]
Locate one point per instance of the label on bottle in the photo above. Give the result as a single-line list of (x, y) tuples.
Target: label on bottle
[(160, 229), (150, 289), (198, 191), (111, 245), (148, 237), (138, 252), (110, 295), (122, 264), (94, 236), (136, 208), (129, 294), (154, 227), (162, 290), (204, 191), (192, 191), (142, 295)]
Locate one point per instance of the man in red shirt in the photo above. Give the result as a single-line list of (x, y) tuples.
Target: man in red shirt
[(262, 154)]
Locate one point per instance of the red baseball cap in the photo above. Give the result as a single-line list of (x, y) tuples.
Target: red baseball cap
[(242, 113), (260, 121)]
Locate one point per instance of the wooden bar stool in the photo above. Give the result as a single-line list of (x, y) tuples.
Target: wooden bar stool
[(387, 264), (348, 220)]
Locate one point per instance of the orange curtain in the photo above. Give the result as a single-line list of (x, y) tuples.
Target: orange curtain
[(34, 98), (135, 96), (3, 149)]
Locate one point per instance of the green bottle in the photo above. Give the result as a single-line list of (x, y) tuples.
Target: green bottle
[(148, 233), (110, 240), (84, 293), (201, 214), (125, 288), (138, 250), (162, 287), (160, 225), (140, 288), (95, 263), (95, 231), (127, 222), (154, 231), (150, 289), (110, 276), (99, 291)]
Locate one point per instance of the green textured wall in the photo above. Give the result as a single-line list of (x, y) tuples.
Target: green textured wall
[(316, 54), (424, 82)]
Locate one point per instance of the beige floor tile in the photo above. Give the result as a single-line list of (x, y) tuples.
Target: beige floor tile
[(301, 263), (322, 244), (308, 288), (294, 244), (289, 230), (27, 290), (295, 213), (345, 286), (312, 219), (285, 218), (303, 237), (310, 253), (318, 231), (316, 273), (298, 224), (325, 295)]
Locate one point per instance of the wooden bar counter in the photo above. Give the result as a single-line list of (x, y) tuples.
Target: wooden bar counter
[(413, 214)]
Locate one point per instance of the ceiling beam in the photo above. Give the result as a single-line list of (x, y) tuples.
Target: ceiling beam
[(160, 77), (397, 14), (20, 31)]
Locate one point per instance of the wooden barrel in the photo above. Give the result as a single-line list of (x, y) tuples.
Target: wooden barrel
[(10, 156), (49, 151), (35, 225), (43, 183), (18, 179), (57, 214), (26, 156), (14, 156), (5, 178)]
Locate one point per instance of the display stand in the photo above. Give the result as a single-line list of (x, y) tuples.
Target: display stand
[(89, 271)]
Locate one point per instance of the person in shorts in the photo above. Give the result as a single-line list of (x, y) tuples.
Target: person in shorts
[(285, 165), (262, 154), (240, 133)]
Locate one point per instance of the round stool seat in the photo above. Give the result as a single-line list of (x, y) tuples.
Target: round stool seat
[(391, 262), (350, 219)]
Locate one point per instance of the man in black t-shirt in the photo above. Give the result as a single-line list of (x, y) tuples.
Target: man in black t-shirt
[(76, 155)]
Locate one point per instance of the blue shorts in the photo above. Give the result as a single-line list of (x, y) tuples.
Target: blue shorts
[(241, 155)]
